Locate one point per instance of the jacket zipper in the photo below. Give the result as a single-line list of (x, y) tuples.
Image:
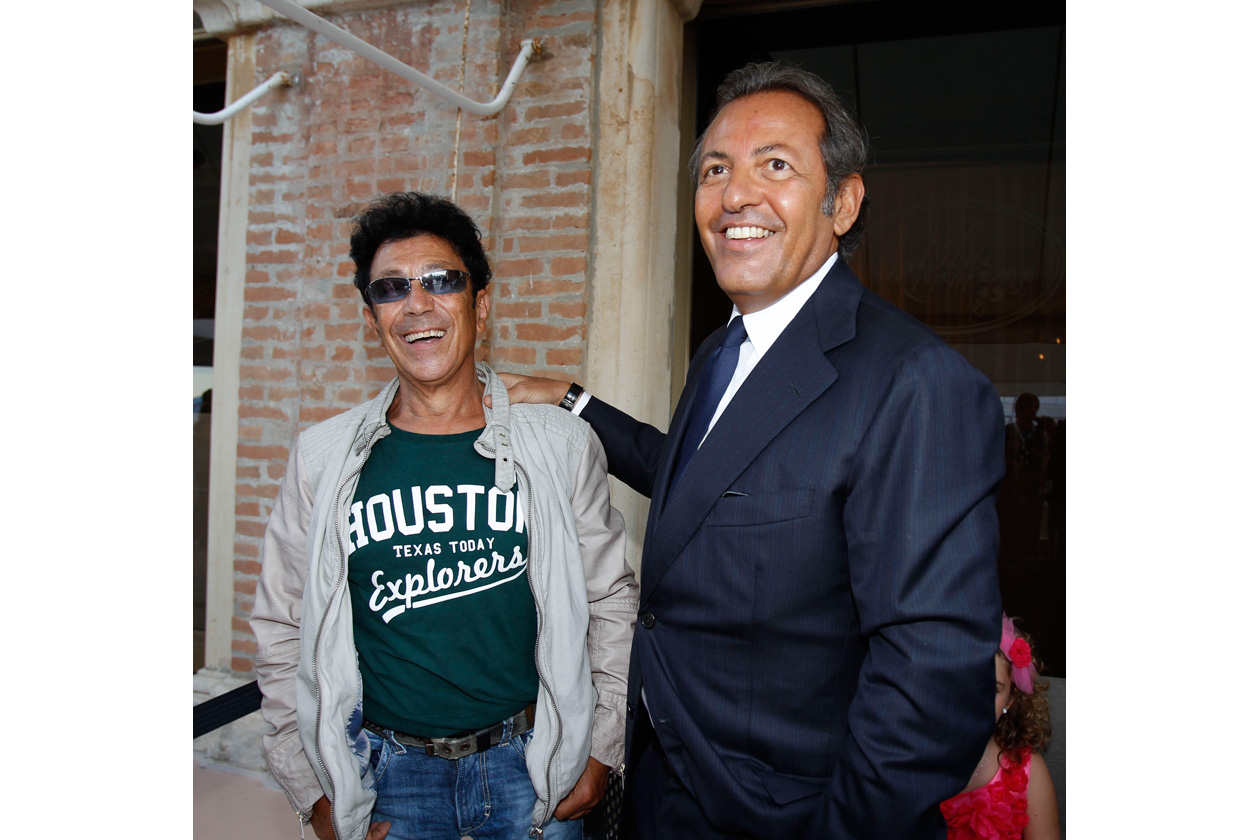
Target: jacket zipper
[(319, 707), (536, 831)]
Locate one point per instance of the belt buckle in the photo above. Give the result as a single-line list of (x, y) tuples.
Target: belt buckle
[(453, 748)]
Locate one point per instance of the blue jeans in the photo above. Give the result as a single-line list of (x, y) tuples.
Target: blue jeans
[(486, 796)]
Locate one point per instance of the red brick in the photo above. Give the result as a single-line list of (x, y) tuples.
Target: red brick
[(255, 294), (544, 288), (516, 355), (527, 223), (343, 332), (544, 112), (525, 309), (276, 393), (565, 356), (548, 199), (562, 155), (567, 310), (516, 268), (555, 242), (561, 266), (317, 414), (267, 333), (568, 179), (262, 453), (546, 332), (525, 181), (249, 528)]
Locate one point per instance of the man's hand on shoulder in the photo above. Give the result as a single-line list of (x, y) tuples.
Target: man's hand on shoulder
[(321, 822), (586, 793), (532, 389)]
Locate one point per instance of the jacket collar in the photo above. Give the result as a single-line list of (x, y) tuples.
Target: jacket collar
[(494, 442)]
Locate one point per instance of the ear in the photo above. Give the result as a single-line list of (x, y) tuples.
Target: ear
[(369, 318), (482, 306), (848, 204)]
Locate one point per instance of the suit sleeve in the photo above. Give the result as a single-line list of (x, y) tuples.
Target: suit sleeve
[(922, 539), (634, 448)]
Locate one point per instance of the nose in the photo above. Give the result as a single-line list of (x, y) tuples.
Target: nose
[(742, 190), (418, 300)]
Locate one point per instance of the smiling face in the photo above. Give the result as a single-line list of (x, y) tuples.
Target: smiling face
[(430, 338), (760, 194)]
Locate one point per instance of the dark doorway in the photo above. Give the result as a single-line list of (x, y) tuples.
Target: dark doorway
[(965, 113)]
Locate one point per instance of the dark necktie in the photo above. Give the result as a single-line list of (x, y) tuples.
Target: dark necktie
[(714, 381)]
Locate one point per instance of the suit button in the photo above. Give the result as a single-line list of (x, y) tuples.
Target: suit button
[(647, 620)]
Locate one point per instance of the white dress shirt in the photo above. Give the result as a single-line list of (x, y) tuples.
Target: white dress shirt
[(764, 328)]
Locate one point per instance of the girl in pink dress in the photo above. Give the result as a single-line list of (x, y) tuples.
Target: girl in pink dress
[(1010, 796)]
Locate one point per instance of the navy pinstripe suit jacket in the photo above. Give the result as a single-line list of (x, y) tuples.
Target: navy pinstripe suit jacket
[(822, 580)]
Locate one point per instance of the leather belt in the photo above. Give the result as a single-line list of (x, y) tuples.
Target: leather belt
[(463, 743)]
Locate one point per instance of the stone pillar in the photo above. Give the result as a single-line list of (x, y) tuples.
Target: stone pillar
[(631, 320)]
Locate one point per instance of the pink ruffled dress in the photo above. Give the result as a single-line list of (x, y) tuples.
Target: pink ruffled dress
[(997, 811)]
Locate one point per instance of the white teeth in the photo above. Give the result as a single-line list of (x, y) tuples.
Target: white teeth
[(424, 334), (747, 233)]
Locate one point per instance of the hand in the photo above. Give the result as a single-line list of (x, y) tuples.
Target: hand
[(586, 793), (321, 822), (532, 389)]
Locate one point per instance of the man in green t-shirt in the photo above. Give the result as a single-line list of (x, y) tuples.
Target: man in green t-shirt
[(444, 611)]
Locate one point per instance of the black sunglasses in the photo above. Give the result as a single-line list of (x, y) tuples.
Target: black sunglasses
[(389, 289)]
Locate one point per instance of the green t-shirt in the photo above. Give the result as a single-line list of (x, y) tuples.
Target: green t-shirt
[(444, 622)]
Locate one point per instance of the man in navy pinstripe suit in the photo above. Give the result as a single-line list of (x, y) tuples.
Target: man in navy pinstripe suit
[(819, 602)]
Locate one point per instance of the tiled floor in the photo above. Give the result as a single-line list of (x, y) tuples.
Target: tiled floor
[(233, 806)]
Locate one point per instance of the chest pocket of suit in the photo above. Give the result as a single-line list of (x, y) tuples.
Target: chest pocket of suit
[(762, 508)]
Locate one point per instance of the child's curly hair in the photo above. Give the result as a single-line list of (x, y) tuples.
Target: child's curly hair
[(1027, 719)]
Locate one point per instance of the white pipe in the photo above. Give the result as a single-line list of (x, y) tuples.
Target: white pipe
[(280, 79), (317, 24)]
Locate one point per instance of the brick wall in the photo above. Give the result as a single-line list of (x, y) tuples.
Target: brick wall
[(351, 131)]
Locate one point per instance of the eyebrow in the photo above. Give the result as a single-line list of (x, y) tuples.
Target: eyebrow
[(757, 152), (425, 269)]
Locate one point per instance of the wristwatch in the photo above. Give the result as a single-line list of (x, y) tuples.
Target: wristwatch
[(571, 397)]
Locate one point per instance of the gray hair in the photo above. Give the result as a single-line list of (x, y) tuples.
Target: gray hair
[(843, 144)]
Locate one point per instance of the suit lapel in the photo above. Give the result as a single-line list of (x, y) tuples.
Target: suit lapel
[(793, 374)]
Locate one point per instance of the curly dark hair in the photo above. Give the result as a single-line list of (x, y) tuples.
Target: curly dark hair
[(1027, 719), (843, 143), (402, 215)]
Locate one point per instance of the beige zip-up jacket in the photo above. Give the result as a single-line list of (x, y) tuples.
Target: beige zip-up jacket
[(307, 667)]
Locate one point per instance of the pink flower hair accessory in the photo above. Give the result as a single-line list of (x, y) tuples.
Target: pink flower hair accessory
[(1019, 653)]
